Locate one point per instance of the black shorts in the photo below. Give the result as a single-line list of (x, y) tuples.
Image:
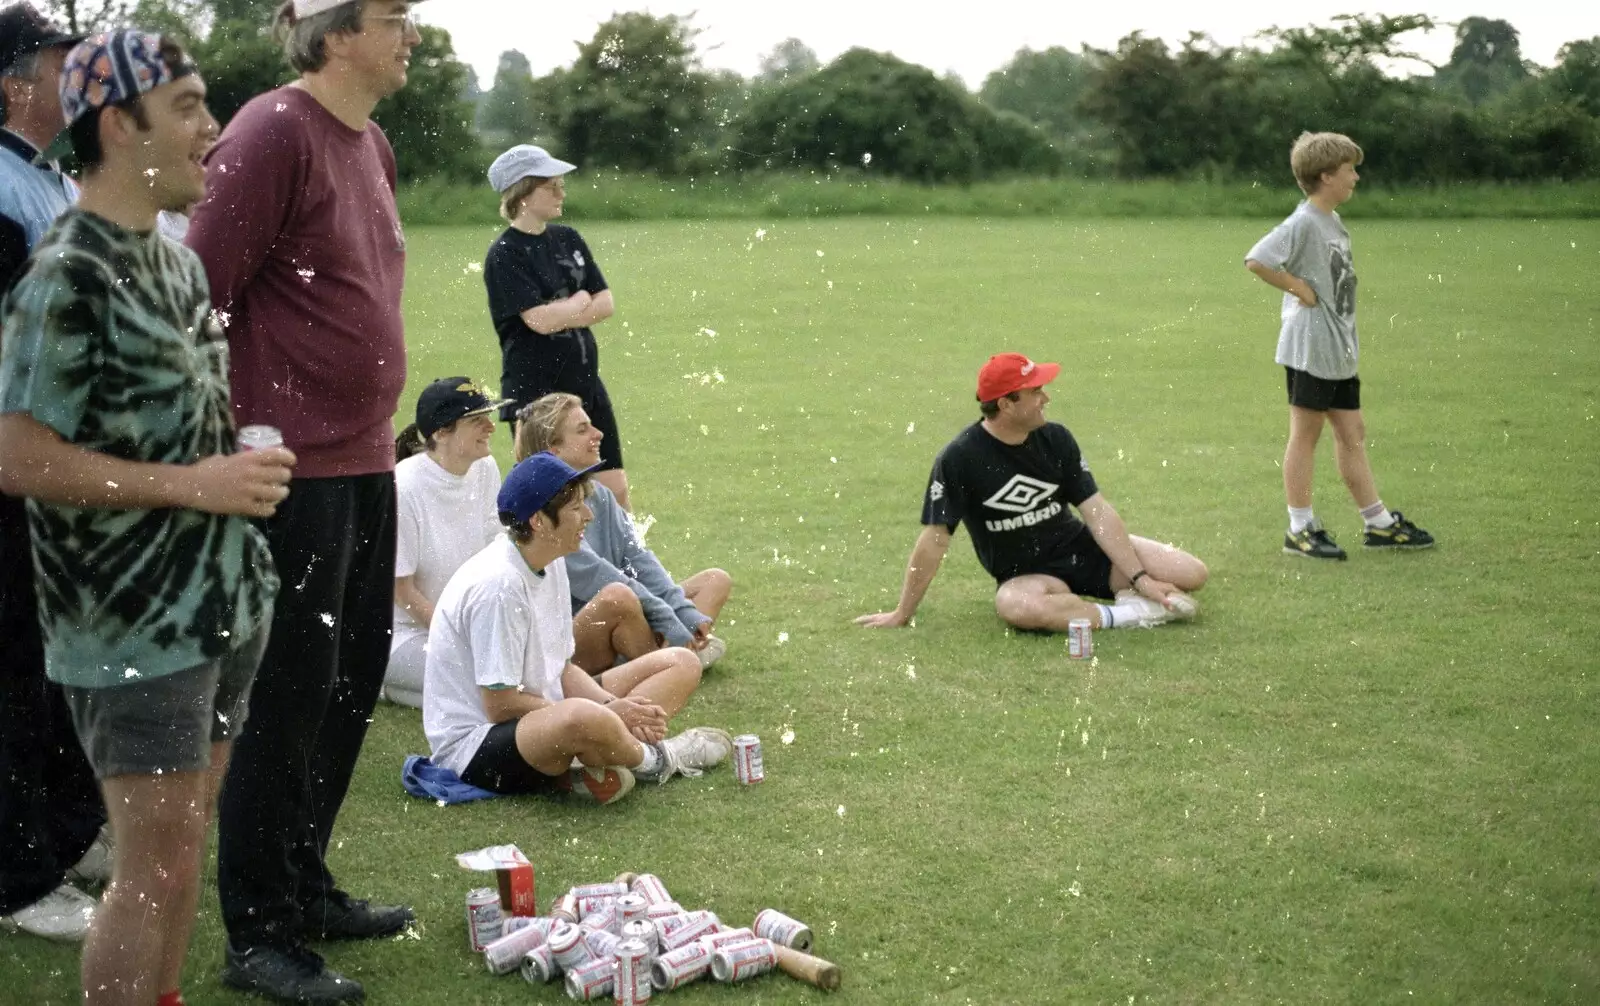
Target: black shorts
[(597, 403), (1308, 391), (1083, 567), (498, 766)]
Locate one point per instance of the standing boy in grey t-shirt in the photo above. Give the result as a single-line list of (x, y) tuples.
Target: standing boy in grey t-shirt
[(1308, 258)]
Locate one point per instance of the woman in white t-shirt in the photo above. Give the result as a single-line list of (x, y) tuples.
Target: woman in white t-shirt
[(446, 515)]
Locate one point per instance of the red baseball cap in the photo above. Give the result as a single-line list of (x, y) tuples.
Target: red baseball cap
[(1008, 372)]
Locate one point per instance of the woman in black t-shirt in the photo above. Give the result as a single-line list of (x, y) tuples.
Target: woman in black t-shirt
[(545, 290)]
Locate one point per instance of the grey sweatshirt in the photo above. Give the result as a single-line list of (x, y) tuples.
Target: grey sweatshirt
[(612, 553)]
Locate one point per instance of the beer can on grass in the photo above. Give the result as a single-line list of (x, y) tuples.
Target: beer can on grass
[(609, 889), (1080, 639), (644, 931), (539, 966), (259, 438), (686, 928), (602, 943), (680, 967), (773, 925), (663, 910), (594, 980), (565, 907), (504, 955), (567, 946), (602, 916), (747, 766), (650, 887), (744, 960), (630, 907), (484, 921), (633, 974), (716, 941)]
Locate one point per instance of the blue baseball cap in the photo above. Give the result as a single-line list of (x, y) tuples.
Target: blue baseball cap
[(533, 483)]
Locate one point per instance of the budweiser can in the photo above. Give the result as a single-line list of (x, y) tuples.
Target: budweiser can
[(602, 916), (747, 759), (644, 931), (650, 887), (517, 922), (680, 967), (610, 889), (593, 980), (567, 946), (1080, 639), (630, 907), (602, 943), (539, 966), (773, 925), (716, 941), (663, 910), (633, 974), (484, 921), (565, 907), (259, 438), (743, 960), (686, 928), (504, 955)]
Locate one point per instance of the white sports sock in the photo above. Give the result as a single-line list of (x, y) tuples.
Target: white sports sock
[(1121, 616), (650, 767), (1377, 515), (1300, 518)]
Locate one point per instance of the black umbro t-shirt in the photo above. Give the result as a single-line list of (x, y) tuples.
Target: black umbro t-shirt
[(524, 271), (1013, 500)]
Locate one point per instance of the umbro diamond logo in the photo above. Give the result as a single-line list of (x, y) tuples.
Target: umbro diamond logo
[(936, 491), (1021, 494)]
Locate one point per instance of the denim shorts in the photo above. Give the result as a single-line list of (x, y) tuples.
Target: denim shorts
[(166, 724)]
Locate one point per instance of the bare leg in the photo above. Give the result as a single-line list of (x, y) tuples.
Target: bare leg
[(616, 480), (140, 934), (1300, 456), (1350, 448), (1039, 601), (177, 947), (549, 738), (612, 624), (708, 590), (666, 677), (1164, 562)]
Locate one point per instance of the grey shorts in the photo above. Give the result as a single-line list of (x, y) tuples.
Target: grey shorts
[(167, 724)]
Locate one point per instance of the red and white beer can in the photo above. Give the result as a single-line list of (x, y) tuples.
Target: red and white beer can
[(609, 889), (650, 887), (588, 904), (567, 946), (644, 931), (716, 941), (744, 960), (1080, 639), (629, 908), (663, 910), (485, 924), (593, 980), (686, 928), (680, 967), (602, 916), (504, 955), (565, 907), (539, 966), (773, 925), (602, 943), (633, 974), (747, 767)]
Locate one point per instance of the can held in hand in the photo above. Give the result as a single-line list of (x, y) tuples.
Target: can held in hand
[(594, 980), (538, 966), (259, 437), (680, 967), (747, 767), (484, 921), (1080, 639), (633, 974), (650, 887), (773, 925), (743, 960)]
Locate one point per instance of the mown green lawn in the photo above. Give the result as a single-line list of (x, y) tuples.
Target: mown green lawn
[(1369, 782)]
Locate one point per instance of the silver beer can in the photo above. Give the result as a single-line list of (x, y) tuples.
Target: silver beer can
[(539, 966), (680, 967), (258, 438), (630, 907), (602, 943), (739, 961), (504, 955), (663, 910), (747, 767), (593, 980), (602, 916), (484, 921), (716, 941), (686, 928), (644, 931), (567, 946), (565, 907), (650, 887), (609, 889), (633, 974), (773, 925), (1080, 639)]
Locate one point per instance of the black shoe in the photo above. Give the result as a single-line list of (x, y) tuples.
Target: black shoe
[(341, 917), (1401, 535), (1312, 543), (290, 975)]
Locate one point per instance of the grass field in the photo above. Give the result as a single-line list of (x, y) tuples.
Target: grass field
[(1370, 782)]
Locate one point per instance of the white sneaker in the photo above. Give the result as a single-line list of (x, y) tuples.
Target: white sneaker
[(695, 749), (1149, 613), (713, 651), (64, 914), (95, 866)]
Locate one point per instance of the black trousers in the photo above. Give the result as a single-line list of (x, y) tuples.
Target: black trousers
[(50, 808), (333, 541)]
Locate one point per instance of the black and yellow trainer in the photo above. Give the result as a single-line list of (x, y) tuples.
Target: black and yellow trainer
[(1312, 542), (1402, 535)]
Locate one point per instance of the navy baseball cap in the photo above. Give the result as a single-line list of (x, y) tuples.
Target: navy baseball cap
[(533, 483), (449, 399), (24, 31)]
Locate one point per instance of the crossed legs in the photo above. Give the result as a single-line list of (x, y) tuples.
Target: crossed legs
[(1041, 601)]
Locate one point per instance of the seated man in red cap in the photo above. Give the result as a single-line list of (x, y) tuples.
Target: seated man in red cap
[(1010, 477)]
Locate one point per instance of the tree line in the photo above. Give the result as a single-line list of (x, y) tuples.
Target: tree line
[(636, 97)]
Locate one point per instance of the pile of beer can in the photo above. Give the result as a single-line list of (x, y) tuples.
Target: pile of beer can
[(626, 940)]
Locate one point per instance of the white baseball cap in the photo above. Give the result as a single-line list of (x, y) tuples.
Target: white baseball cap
[(306, 8), (525, 161)]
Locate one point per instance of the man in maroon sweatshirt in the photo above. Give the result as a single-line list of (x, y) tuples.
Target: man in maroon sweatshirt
[(303, 246)]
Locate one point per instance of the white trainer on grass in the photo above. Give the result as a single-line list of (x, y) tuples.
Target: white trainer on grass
[(95, 866), (695, 750), (64, 914), (714, 649)]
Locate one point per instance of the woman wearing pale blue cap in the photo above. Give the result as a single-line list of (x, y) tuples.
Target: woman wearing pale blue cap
[(545, 291)]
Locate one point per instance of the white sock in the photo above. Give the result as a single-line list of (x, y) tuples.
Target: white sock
[(1120, 616), (1377, 515), (1300, 518), (651, 765)]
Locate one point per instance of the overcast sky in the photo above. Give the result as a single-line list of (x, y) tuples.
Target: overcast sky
[(972, 38)]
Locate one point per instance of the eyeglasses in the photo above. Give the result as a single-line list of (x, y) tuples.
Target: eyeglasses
[(407, 22)]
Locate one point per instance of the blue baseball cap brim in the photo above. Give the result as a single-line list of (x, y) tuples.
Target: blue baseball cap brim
[(533, 483)]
